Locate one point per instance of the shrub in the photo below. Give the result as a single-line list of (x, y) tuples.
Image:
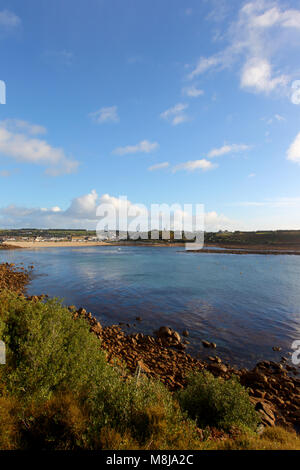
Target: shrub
[(49, 351), (9, 435), (59, 375), (59, 423), (217, 403)]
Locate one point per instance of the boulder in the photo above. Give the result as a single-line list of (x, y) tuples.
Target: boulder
[(266, 412), (163, 332)]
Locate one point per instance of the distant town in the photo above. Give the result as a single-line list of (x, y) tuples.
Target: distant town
[(282, 238)]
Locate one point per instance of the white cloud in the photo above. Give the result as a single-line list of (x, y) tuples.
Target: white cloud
[(159, 166), (257, 39), (108, 114), (276, 117), (193, 165), (8, 19), (293, 153), (23, 148), (82, 214), (12, 124), (251, 175), (143, 147), (176, 115), (214, 222), (225, 149), (206, 63), (274, 16), (192, 91), (257, 75)]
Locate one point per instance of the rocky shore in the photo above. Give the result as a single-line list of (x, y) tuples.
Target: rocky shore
[(274, 387), (13, 278)]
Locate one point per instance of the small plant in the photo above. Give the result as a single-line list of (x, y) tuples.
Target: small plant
[(217, 403)]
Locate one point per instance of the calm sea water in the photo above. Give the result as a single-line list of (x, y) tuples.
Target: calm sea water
[(245, 304)]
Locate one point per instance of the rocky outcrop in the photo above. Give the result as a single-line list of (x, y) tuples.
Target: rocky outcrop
[(273, 389), (13, 278)]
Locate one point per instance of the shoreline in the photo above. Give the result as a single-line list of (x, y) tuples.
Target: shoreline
[(208, 249), (273, 386), (74, 244)]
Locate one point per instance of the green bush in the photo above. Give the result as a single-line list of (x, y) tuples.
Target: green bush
[(217, 403), (53, 359)]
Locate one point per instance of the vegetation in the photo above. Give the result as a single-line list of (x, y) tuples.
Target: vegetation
[(215, 402), (57, 391)]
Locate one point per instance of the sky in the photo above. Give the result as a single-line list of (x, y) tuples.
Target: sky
[(168, 101)]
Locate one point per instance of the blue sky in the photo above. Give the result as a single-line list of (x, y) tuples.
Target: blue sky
[(167, 101)]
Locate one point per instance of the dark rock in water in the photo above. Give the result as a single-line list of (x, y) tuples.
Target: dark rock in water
[(176, 336), (207, 344), (168, 336), (276, 348), (138, 319), (163, 332), (185, 333)]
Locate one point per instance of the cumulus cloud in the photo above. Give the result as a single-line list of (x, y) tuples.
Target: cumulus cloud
[(8, 19), (159, 166), (213, 222), (225, 149), (176, 115), (293, 153), (108, 114), (257, 75), (82, 213), (16, 142), (142, 147), (193, 165), (262, 30)]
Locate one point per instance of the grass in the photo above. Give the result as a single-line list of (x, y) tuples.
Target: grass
[(57, 391)]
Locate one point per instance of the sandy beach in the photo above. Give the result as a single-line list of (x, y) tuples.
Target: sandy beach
[(25, 244), (30, 245)]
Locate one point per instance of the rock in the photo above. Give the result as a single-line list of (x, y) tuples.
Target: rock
[(82, 311), (207, 344), (266, 412), (163, 332), (138, 319), (217, 369), (176, 336), (185, 333), (143, 367), (276, 348)]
